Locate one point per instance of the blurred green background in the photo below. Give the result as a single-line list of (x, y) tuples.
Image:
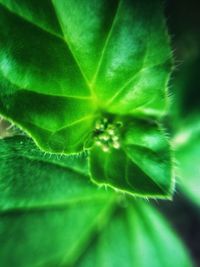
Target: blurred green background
[(183, 19)]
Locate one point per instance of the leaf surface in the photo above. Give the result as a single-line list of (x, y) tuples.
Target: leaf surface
[(142, 166), (137, 236), (50, 216), (26, 173), (62, 63)]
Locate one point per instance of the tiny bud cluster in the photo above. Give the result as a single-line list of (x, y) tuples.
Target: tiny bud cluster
[(106, 135)]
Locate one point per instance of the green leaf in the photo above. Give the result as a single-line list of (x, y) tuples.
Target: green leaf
[(63, 62), (142, 166), (26, 173), (187, 146), (136, 236), (59, 219), (61, 72), (42, 88)]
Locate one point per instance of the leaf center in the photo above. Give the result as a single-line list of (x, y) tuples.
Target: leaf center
[(107, 135)]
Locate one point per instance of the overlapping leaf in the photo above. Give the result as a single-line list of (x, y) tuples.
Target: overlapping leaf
[(50, 216), (26, 173), (141, 166)]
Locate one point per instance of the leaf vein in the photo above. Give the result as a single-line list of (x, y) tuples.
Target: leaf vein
[(107, 42), (71, 50)]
